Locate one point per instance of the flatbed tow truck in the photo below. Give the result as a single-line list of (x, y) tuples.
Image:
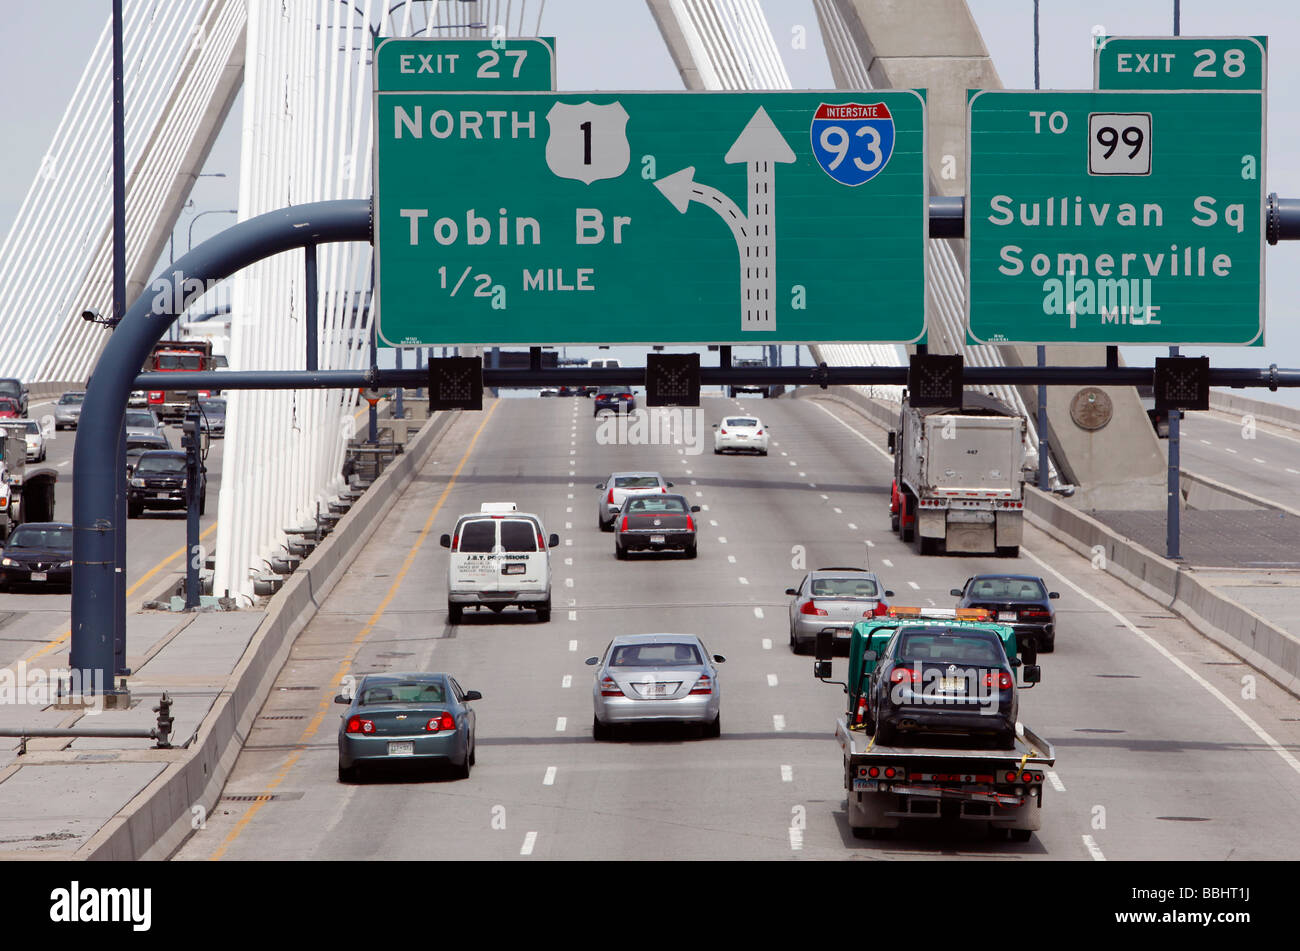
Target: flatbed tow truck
[(948, 776)]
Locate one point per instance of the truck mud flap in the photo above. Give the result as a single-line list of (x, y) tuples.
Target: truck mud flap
[(971, 537)]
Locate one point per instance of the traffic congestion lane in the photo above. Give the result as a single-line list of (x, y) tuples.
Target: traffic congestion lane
[(772, 785), (30, 619), (1257, 457)]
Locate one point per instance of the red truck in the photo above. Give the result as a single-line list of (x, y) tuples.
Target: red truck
[(172, 356)]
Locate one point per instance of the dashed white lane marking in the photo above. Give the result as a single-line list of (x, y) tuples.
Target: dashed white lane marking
[(758, 613), (825, 496), (60, 465), (793, 463), (1207, 442), (568, 541), (722, 539), (811, 485), (566, 681), (784, 453), (695, 482), (704, 508), (743, 580), (931, 600), (573, 645), (568, 525), (573, 452), (1292, 471), (713, 522), (796, 839), (573, 472), (838, 511), (1214, 691), (568, 510), (690, 471), (549, 778), (731, 559), (767, 643), (573, 615), (787, 774), (568, 582), (1055, 781), (568, 561), (852, 527), (771, 680), (1091, 845), (561, 723), (887, 563), (570, 486), (778, 721), (1257, 459), (870, 543), (915, 586), (804, 475), (699, 495), (570, 495), (1233, 451), (530, 839)]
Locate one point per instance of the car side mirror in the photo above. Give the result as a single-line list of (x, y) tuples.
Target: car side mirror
[(715, 425), (599, 486), (793, 592), (341, 698), (955, 592), (1053, 595), (695, 508), (553, 540), (1016, 662), (719, 659), (889, 594), (445, 541), (821, 669), (669, 484), (1033, 674), (473, 695), (825, 648), (592, 661)]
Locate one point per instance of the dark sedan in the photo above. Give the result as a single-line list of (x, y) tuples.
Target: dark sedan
[(407, 718), (1021, 601), (654, 523), (613, 399), (934, 678), (158, 481), (38, 553)]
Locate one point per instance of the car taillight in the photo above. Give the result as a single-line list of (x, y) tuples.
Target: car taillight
[(444, 721), (810, 607), (625, 396), (610, 497), (760, 432), (902, 674), (703, 685), (724, 432), (155, 396), (880, 610), (1026, 777), (609, 687), (358, 725), (1034, 615), (1004, 680), (1010, 777), (624, 527), (455, 541), (541, 542), (690, 524)]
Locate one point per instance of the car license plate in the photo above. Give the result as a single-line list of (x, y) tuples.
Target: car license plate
[(865, 785), (161, 495), (513, 569), (953, 683), (38, 576), (1007, 616), (657, 690), (656, 539), (401, 749)]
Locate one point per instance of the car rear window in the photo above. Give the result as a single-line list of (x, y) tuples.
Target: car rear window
[(741, 422), (68, 399), (478, 535), (1008, 589), (652, 504), (518, 535), (844, 588), (636, 482), (404, 693), (969, 649), (655, 655)]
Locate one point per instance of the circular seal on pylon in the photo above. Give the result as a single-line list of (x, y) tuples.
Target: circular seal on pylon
[(371, 395), (1091, 409)]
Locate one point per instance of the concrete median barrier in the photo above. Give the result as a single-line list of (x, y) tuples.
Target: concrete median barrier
[(157, 821)]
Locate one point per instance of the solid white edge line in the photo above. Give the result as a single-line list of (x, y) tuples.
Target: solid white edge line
[(1214, 691)]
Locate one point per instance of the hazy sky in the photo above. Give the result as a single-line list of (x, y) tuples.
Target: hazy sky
[(613, 44)]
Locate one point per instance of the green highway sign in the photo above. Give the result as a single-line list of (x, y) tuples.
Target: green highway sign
[(650, 218), (1115, 217), (436, 64), (1192, 63)]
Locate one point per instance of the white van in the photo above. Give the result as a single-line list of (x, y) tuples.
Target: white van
[(499, 557)]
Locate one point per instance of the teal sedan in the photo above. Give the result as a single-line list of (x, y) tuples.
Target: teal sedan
[(407, 718)]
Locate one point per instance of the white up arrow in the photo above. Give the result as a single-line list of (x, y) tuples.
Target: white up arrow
[(760, 146)]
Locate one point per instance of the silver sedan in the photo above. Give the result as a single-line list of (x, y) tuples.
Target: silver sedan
[(656, 678), (833, 597), (67, 411), (620, 486)]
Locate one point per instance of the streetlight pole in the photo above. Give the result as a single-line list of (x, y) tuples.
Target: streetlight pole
[(189, 242)]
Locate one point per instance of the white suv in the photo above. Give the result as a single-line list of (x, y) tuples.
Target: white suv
[(499, 557)]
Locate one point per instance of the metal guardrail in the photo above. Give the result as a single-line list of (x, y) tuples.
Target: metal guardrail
[(161, 732)]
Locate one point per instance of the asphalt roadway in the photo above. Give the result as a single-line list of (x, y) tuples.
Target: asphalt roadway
[(1167, 747)]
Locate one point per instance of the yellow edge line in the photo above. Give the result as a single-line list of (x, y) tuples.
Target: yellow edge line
[(52, 645), (327, 699)]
